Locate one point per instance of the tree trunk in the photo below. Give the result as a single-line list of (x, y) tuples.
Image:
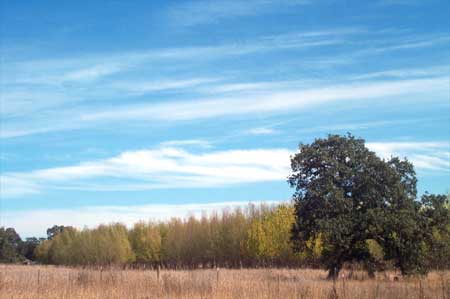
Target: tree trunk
[(333, 272)]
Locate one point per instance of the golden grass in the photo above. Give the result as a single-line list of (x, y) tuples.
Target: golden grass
[(48, 282)]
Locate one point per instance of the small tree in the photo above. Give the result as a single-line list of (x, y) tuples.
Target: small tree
[(10, 243), (353, 200)]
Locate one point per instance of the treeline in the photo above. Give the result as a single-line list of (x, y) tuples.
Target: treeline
[(257, 236), (242, 237)]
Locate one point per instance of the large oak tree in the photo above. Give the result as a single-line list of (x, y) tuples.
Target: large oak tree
[(352, 199)]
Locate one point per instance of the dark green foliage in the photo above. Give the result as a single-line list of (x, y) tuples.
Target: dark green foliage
[(54, 230), (9, 246), (347, 195), (403, 235), (435, 212), (28, 246)]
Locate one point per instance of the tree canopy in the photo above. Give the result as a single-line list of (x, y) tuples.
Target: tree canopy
[(9, 245), (355, 201)]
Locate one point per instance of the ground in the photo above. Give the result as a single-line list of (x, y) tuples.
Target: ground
[(25, 281)]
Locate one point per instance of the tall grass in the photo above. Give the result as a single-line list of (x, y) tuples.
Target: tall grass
[(61, 282)]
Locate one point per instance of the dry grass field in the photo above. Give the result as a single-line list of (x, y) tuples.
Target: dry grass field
[(48, 282)]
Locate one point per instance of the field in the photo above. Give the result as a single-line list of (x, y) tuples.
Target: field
[(61, 282)]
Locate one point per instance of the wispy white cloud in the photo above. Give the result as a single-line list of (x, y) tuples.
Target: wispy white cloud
[(91, 73), (25, 101), (252, 87), (192, 13), (363, 125), (95, 66), (244, 103), (59, 71), (90, 68), (175, 167), (166, 167), (32, 85), (76, 92), (35, 222), (269, 103), (424, 155), (11, 186), (400, 2), (261, 131), (149, 86), (406, 73), (187, 142), (402, 44)]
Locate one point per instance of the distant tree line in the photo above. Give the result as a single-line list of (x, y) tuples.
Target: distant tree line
[(242, 237), (254, 236), (349, 207)]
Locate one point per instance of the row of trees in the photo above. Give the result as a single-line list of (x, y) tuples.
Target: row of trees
[(106, 244), (255, 236)]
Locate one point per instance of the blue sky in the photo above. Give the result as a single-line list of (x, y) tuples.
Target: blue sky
[(120, 111)]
